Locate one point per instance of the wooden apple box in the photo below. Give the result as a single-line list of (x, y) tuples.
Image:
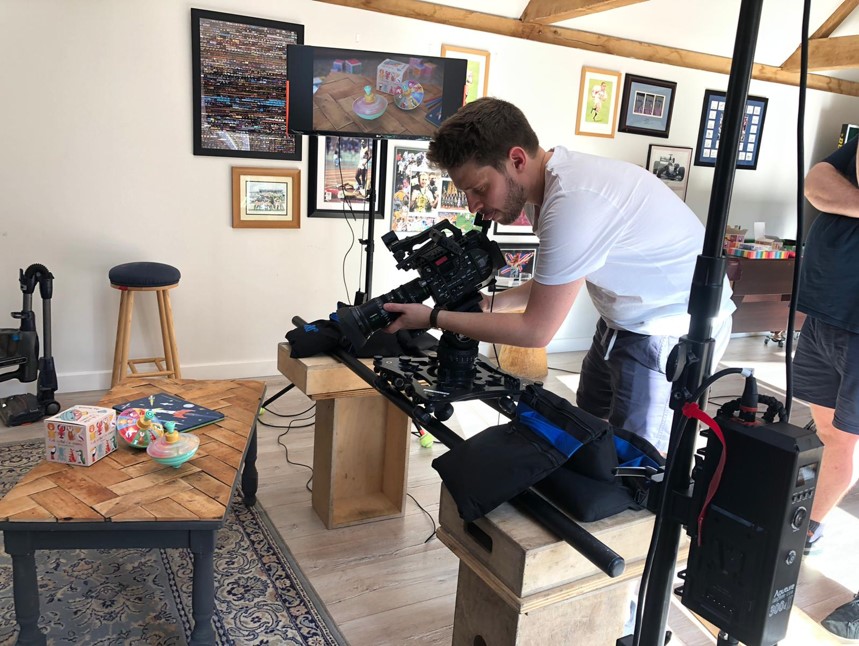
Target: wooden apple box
[(520, 584)]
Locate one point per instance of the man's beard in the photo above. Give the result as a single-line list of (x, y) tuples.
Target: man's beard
[(513, 203)]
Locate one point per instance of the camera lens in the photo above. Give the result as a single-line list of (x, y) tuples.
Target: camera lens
[(359, 322)]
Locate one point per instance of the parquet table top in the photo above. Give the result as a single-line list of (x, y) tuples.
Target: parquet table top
[(128, 485)]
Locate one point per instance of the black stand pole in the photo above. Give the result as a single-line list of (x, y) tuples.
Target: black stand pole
[(697, 346), (377, 174)]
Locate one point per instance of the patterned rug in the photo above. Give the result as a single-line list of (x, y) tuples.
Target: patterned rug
[(143, 596)]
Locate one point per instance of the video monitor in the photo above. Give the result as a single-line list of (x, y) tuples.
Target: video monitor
[(355, 93)]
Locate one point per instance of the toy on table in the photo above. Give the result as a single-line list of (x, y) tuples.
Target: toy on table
[(408, 95), (371, 105), (138, 427), (173, 448)]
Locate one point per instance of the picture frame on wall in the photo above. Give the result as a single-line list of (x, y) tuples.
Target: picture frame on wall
[(422, 194), (266, 198), (239, 85), (712, 113), (340, 174), (521, 226), (519, 262), (647, 106), (598, 99), (671, 164), (477, 70)]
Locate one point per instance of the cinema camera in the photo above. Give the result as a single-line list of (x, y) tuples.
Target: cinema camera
[(453, 267)]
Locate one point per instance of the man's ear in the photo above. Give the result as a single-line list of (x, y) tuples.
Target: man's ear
[(518, 157)]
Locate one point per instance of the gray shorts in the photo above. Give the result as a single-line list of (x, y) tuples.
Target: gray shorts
[(826, 371), (624, 381)]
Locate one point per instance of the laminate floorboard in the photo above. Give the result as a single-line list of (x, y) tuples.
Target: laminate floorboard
[(384, 583)]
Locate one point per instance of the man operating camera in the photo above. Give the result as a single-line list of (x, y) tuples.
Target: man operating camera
[(604, 224)]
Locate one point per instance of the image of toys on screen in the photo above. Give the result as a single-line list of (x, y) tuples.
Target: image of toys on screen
[(371, 94), (80, 435)]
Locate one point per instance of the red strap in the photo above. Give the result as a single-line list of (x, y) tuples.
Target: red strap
[(692, 410)]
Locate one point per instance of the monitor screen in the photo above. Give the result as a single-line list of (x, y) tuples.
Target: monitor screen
[(359, 93)]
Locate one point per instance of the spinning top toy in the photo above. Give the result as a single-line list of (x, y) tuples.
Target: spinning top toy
[(173, 448), (138, 427)]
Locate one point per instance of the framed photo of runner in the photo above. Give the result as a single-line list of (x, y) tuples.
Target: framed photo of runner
[(671, 165), (752, 130), (647, 106), (598, 97), (341, 172)]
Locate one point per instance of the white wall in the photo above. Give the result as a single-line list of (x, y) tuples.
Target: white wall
[(97, 169)]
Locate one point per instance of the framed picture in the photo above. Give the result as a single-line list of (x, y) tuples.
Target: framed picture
[(671, 165), (341, 174), (477, 70), (711, 126), (521, 226), (239, 71), (266, 198), (519, 263), (421, 195), (647, 106), (598, 102)]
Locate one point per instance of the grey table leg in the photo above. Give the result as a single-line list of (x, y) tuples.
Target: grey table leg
[(203, 591), (25, 588), (250, 478)]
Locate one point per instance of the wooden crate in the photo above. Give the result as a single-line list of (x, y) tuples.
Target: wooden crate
[(360, 442), (519, 584)]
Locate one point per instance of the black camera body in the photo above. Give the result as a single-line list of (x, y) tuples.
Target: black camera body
[(453, 267)]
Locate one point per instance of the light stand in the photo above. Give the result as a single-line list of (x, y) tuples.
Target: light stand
[(696, 348), (370, 243)]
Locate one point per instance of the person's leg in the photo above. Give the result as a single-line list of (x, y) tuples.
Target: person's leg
[(594, 393), (840, 468)]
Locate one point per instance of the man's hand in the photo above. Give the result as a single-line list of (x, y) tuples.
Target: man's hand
[(412, 316)]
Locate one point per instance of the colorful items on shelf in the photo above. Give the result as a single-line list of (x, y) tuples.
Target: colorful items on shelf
[(138, 427), (173, 448), (80, 435)]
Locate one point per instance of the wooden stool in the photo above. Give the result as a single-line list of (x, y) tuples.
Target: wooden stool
[(519, 584), (134, 277)]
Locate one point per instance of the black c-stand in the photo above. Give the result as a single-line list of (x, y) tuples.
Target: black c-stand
[(696, 348)]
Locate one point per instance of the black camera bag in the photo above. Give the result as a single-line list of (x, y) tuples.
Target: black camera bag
[(566, 453)]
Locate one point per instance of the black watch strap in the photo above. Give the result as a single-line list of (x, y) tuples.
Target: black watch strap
[(434, 316)]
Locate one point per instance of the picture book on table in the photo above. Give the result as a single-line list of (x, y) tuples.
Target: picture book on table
[(185, 414)]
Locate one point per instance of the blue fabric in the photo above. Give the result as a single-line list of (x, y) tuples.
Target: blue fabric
[(629, 455), (144, 274), (560, 439)]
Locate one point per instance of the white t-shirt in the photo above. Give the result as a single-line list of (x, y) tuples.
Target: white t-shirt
[(635, 242)]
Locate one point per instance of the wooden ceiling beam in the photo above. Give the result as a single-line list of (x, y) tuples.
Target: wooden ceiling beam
[(475, 20), (828, 54), (547, 12), (824, 31)]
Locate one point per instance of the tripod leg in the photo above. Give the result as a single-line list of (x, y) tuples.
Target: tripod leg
[(276, 396)]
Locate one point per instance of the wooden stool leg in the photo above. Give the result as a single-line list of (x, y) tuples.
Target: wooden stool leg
[(174, 352), (125, 318), (120, 341), (165, 333)]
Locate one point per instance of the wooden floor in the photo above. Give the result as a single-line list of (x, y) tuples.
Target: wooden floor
[(383, 583)]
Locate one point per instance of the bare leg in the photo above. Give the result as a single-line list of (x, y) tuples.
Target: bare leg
[(840, 468)]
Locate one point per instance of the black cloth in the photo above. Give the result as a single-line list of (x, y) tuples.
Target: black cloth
[(324, 336), (829, 280)]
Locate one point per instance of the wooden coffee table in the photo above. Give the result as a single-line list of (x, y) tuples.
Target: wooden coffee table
[(128, 500)]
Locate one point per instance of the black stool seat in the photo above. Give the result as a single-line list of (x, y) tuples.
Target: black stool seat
[(143, 274)]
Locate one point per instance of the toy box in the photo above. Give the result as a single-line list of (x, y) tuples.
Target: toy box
[(80, 435), (337, 65), (352, 66), (390, 74)]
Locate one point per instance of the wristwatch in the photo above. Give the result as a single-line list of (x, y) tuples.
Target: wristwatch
[(434, 316)]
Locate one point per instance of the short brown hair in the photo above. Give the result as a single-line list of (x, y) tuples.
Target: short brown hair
[(483, 131)]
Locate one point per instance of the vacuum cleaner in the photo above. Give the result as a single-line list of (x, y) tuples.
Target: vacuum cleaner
[(19, 351)]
